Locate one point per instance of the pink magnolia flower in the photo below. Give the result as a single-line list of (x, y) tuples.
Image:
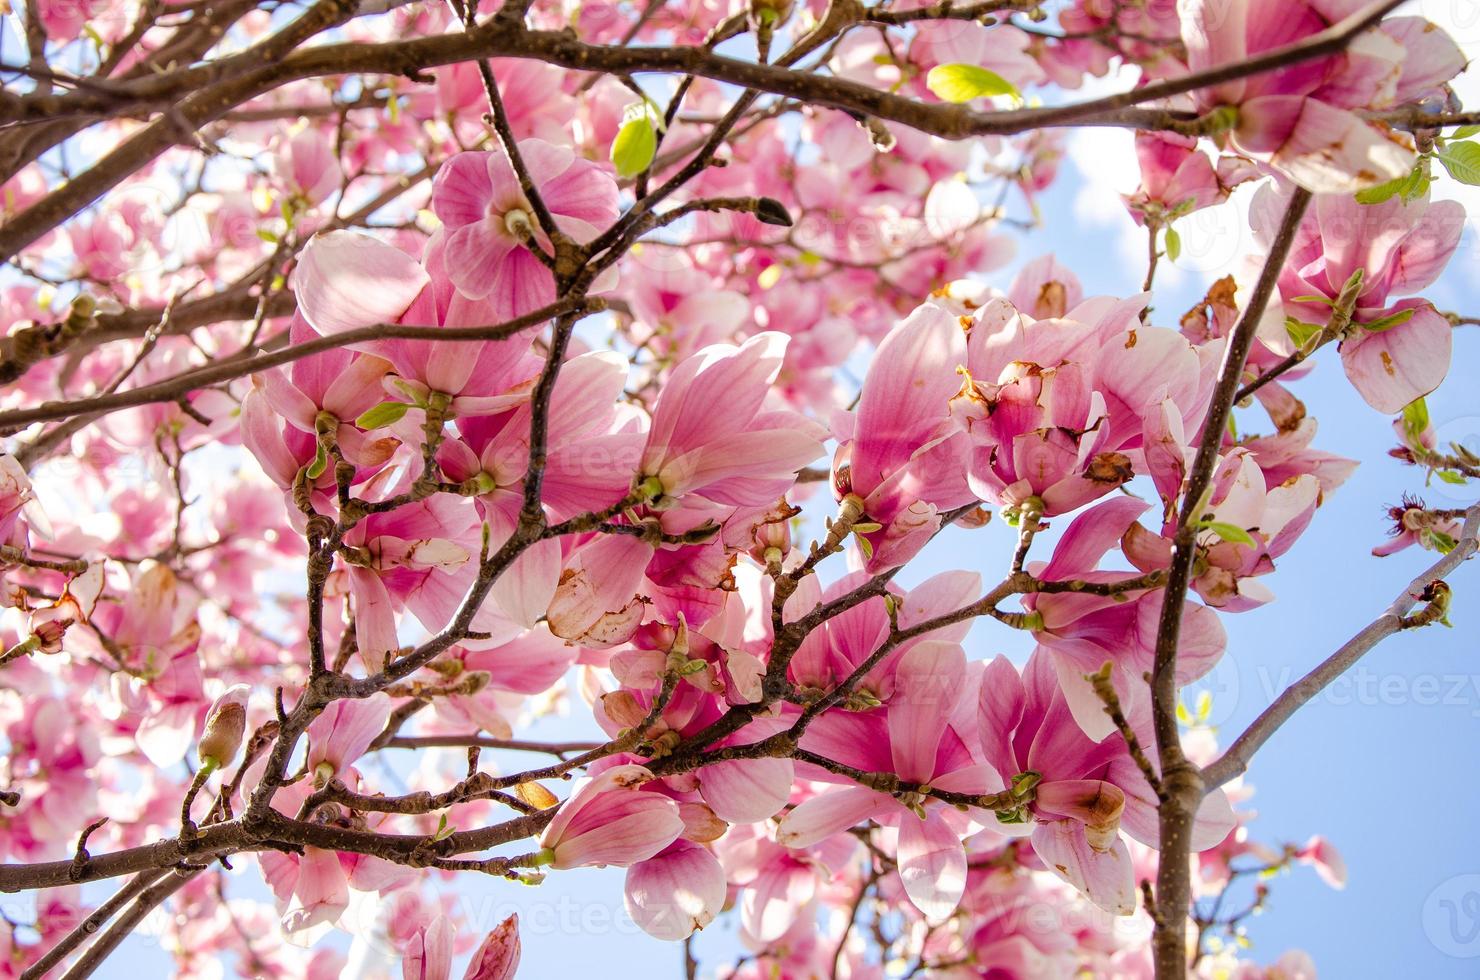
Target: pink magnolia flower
[(917, 738), (1054, 408), (1303, 119), (18, 499), (307, 166), (342, 733), (1044, 288), (832, 652), (1393, 352), (282, 413), (1084, 793), (1080, 633), (743, 455), (487, 222), (497, 958), (428, 953), (589, 465), (1294, 964), (900, 457), (345, 280), (739, 791), (1270, 519), (596, 601), (677, 892), (312, 889), (415, 557), (1002, 936), (1177, 178), (609, 819), (781, 885), (1415, 524), (1321, 854)]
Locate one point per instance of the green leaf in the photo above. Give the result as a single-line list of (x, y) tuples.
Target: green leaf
[(444, 829), (1228, 532), (1450, 476), (1410, 186), (1462, 160), (1437, 541), (1465, 132), (1313, 299), (1385, 191), (1302, 333), (636, 144), (320, 463), (1415, 418), (1174, 245), (1390, 321), (382, 415), (962, 83)]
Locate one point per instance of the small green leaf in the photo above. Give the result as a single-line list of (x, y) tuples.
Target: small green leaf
[(444, 829), (1437, 541), (962, 83), (1462, 160), (1231, 533), (319, 464), (1465, 132), (382, 415), (636, 143), (1410, 186), (1390, 321), (1313, 299), (267, 236), (1302, 333), (1174, 245), (1450, 476), (1378, 193), (1415, 418)]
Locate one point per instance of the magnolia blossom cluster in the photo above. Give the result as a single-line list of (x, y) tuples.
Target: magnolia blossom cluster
[(487, 482)]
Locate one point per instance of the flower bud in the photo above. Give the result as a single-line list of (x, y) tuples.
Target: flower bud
[(770, 536), (498, 957), (622, 708), (225, 726), (771, 13)]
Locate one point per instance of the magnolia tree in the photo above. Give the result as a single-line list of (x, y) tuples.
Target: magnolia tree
[(382, 376)]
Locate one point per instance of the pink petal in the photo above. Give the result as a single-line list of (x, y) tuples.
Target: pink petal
[(498, 957), (932, 864), (428, 954), (1322, 148), (828, 813), (776, 898), (748, 790), (929, 680), (1393, 367), (462, 190), (1107, 879), (906, 393), (346, 280), (679, 891)]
